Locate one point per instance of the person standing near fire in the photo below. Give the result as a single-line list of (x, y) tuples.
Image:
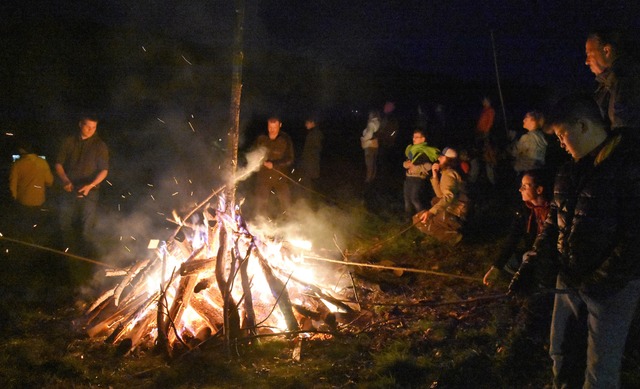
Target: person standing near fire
[(483, 139), (370, 145), (311, 153), (29, 177), (618, 78), (82, 164), (486, 119), (278, 159)]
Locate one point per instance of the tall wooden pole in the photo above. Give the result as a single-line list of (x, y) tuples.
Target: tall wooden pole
[(234, 111), (495, 63)]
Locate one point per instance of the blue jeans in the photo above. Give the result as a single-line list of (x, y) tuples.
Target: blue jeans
[(413, 195), (77, 217), (588, 335)]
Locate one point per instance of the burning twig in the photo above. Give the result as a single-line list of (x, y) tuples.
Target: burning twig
[(189, 307), (135, 269)]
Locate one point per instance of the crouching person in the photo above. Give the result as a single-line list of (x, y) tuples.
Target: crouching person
[(445, 219), (594, 228)]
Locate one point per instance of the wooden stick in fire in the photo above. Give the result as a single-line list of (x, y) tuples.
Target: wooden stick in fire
[(278, 291)]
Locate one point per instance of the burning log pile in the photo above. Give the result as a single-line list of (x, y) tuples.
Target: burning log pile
[(213, 277)]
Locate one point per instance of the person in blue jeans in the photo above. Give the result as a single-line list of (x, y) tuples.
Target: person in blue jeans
[(82, 164), (593, 227)]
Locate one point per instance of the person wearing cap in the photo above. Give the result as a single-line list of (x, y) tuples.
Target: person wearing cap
[(445, 218)]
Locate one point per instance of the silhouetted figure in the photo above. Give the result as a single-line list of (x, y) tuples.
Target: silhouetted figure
[(389, 153), (486, 119), (311, 152)]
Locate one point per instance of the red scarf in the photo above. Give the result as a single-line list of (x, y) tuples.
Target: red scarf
[(540, 212)]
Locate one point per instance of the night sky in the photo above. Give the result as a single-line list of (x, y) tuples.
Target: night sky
[(537, 42), (159, 71)]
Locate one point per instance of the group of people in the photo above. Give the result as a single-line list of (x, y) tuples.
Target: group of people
[(82, 163), (576, 229), (578, 234), (585, 239), (278, 161)]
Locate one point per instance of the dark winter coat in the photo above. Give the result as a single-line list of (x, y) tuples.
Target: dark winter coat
[(618, 93), (310, 160), (594, 219), (527, 222), (279, 151)]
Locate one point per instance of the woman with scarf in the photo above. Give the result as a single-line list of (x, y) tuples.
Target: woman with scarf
[(526, 225), (533, 319)]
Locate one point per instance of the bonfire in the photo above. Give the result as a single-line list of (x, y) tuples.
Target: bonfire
[(215, 278)]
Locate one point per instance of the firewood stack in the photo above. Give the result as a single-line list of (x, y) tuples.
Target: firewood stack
[(214, 278)]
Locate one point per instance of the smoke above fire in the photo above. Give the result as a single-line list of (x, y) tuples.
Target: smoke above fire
[(254, 158)]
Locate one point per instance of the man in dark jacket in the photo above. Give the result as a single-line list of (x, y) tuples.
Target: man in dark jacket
[(277, 161), (594, 225), (618, 77), (311, 152), (82, 164)]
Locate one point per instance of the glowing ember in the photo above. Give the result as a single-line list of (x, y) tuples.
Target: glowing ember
[(214, 276)]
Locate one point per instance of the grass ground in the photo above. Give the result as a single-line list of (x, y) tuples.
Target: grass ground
[(421, 331)]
